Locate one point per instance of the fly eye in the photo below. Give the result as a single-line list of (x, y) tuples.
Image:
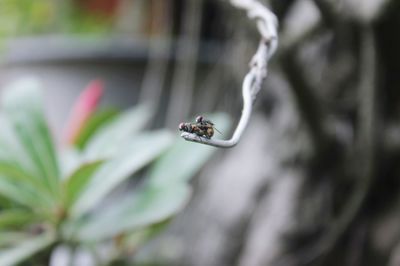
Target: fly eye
[(181, 126), (199, 119)]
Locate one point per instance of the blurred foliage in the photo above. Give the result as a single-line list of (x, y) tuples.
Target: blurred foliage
[(91, 196), (27, 17)]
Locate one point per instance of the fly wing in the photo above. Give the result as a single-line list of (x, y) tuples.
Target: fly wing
[(209, 122)]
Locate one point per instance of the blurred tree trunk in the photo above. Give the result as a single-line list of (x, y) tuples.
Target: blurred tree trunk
[(315, 180)]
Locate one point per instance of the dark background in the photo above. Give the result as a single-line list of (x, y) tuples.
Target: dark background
[(315, 179)]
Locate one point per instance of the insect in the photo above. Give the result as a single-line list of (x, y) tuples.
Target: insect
[(202, 127), (195, 128)]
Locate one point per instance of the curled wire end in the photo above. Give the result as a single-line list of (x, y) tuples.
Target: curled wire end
[(244, 119), (193, 137)]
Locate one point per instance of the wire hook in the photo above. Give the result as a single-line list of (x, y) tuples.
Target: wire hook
[(267, 24)]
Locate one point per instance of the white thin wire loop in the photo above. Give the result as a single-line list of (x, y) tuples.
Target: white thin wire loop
[(267, 24)]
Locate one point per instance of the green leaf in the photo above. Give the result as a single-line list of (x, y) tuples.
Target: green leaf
[(17, 170), (95, 122), (23, 107), (11, 172), (75, 183), (18, 194), (184, 159), (14, 172), (140, 151), (11, 150), (150, 206), (25, 249), (5, 203), (15, 218), (109, 139)]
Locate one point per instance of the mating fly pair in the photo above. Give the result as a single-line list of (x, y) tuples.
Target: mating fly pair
[(202, 127)]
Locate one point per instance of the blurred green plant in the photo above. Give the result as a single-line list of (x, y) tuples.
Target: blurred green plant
[(90, 194), (27, 17)]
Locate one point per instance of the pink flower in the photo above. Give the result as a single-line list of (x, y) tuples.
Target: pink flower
[(83, 109)]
